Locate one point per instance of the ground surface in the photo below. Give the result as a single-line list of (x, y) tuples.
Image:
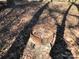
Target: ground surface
[(17, 22)]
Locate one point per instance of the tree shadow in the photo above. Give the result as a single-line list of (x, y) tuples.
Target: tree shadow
[(16, 50), (60, 38)]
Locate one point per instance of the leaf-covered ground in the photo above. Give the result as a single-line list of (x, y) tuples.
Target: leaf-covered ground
[(17, 22)]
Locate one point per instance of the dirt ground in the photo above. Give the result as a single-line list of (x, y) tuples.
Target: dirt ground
[(18, 22)]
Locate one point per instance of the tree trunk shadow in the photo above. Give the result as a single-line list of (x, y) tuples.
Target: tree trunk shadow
[(60, 38)]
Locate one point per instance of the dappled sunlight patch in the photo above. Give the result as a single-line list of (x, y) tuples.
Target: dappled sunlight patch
[(72, 21)]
